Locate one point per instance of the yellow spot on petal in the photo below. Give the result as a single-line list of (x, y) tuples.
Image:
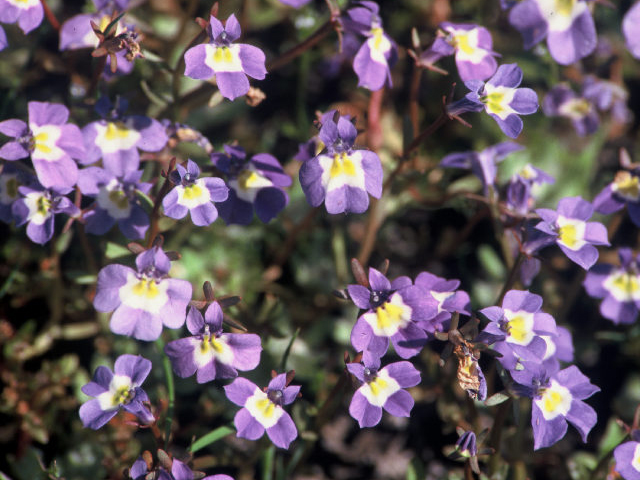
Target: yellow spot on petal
[(378, 35), (568, 235), (222, 55), (461, 41), (518, 328), (551, 401), (119, 198), (626, 185), (266, 407), (122, 396), (192, 192), (248, 179), (43, 206), (146, 288), (378, 385), (342, 165), (627, 283), (41, 142), (116, 131), (494, 102), (564, 7), (388, 315)]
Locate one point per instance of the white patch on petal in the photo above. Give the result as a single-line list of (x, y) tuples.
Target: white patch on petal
[(466, 44), (8, 188), (571, 232), (551, 347), (441, 297), (555, 400), (210, 348), (223, 59), (262, 409), (389, 317), (194, 195), (39, 206), (519, 327), (560, 14), (624, 286), (378, 391), (379, 45), (119, 393), (44, 146), (115, 136), (24, 4), (635, 461), (627, 186), (144, 293), (497, 100), (341, 170), (248, 183), (528, 173), (113, 199), (90, 38), (575, 108)]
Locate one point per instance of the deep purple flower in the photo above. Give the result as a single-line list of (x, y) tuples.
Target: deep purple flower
[(483, 164), (4, 43), (117, 138), (194, 195), (28, 13), (517, 328), (561, 101), (117, 201), (382, 388), (229, 62), (253, 183), (500, 98), (466, 445), (627, 457), (113, 390), (608, 96), (341, 176), (393, 312), (447, 296), (624, 190), (631, 29), (567, 25), (210, 352), (557, 398), (574, 235), (520, 197), (378, 53), (145, 299), (179, 471), (619, 287), (472, 46), (38, 206), (11, 178), (50, 140), (262, 410)]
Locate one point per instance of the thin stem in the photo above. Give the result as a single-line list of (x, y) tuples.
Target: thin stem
[(178, 72), (414, 90), (168, 375), (513, 274), (155, 213), (305, 45), (496, 435), (50, 16)]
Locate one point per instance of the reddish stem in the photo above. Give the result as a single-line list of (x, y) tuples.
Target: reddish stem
[(50, 16)]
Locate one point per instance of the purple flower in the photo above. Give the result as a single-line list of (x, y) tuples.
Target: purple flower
[(561, 101), (574, 235), (382, 388), (627, 457), (608, 96), (117, 201), (28, 13), (447, 296), (38, 206), (482, 164), (557, 398), (517, 328), (500, 98), (4, 43), (624, 190), (210, 352), (76, 32), (181, 132), (11, 179), (295, 3), (619, 287), (229, 62), (145, 299), (466, 445), (472, 46), (394, 312), (631, 29), (262, 410), (341, 176), (559, 348), (520, 188), (179, 471), (253, 183), (117, 138), (49, 139), (378, 53), (194, 195), (120, 388), (567, 25)]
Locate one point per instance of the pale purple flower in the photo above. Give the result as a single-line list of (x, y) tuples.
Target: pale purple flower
[(631, 29), (117, 138), (295, 3), (115, 390), (608, 96), (231, 63), (262, 409), (209, 352), (617, 286), (561, 101), (567, 25), (557, 398), (27, 13), (117, 201), (520, 188), (76, 32), (573, 234), (143, 299), (179, 471), (50, 140), (378, 53), (382, 388), (38, 207), (181, 132), (627, 456), (624, 190), (194, 195), (254, 183), (4, 43), (11, 178), (448, 297), (341, 176), (500, 98), (394, 312)]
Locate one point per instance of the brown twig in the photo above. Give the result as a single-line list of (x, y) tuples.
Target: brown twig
[(50, 16), (155, 213)]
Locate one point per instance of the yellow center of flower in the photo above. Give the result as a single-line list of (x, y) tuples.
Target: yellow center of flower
[(342, 165), (388, 315), (378, 385), (266, 407), (248, 179), (626, 185), (209, 342), (146, 288), (119, 199), (518, 328), (568, 235), (377, 34), (552, 400), (565, 7), (43, 205), (192, 192), (461, 41), (116, 131), (222, 55), (494, 101), (627, 283), (40, 142), (122, 396)]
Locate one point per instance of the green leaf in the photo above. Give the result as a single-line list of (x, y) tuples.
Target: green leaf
[(112, 24), (210, 438), (116, 251), (496, 399)]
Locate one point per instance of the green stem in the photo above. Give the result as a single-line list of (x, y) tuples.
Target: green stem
[(168, 375)]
